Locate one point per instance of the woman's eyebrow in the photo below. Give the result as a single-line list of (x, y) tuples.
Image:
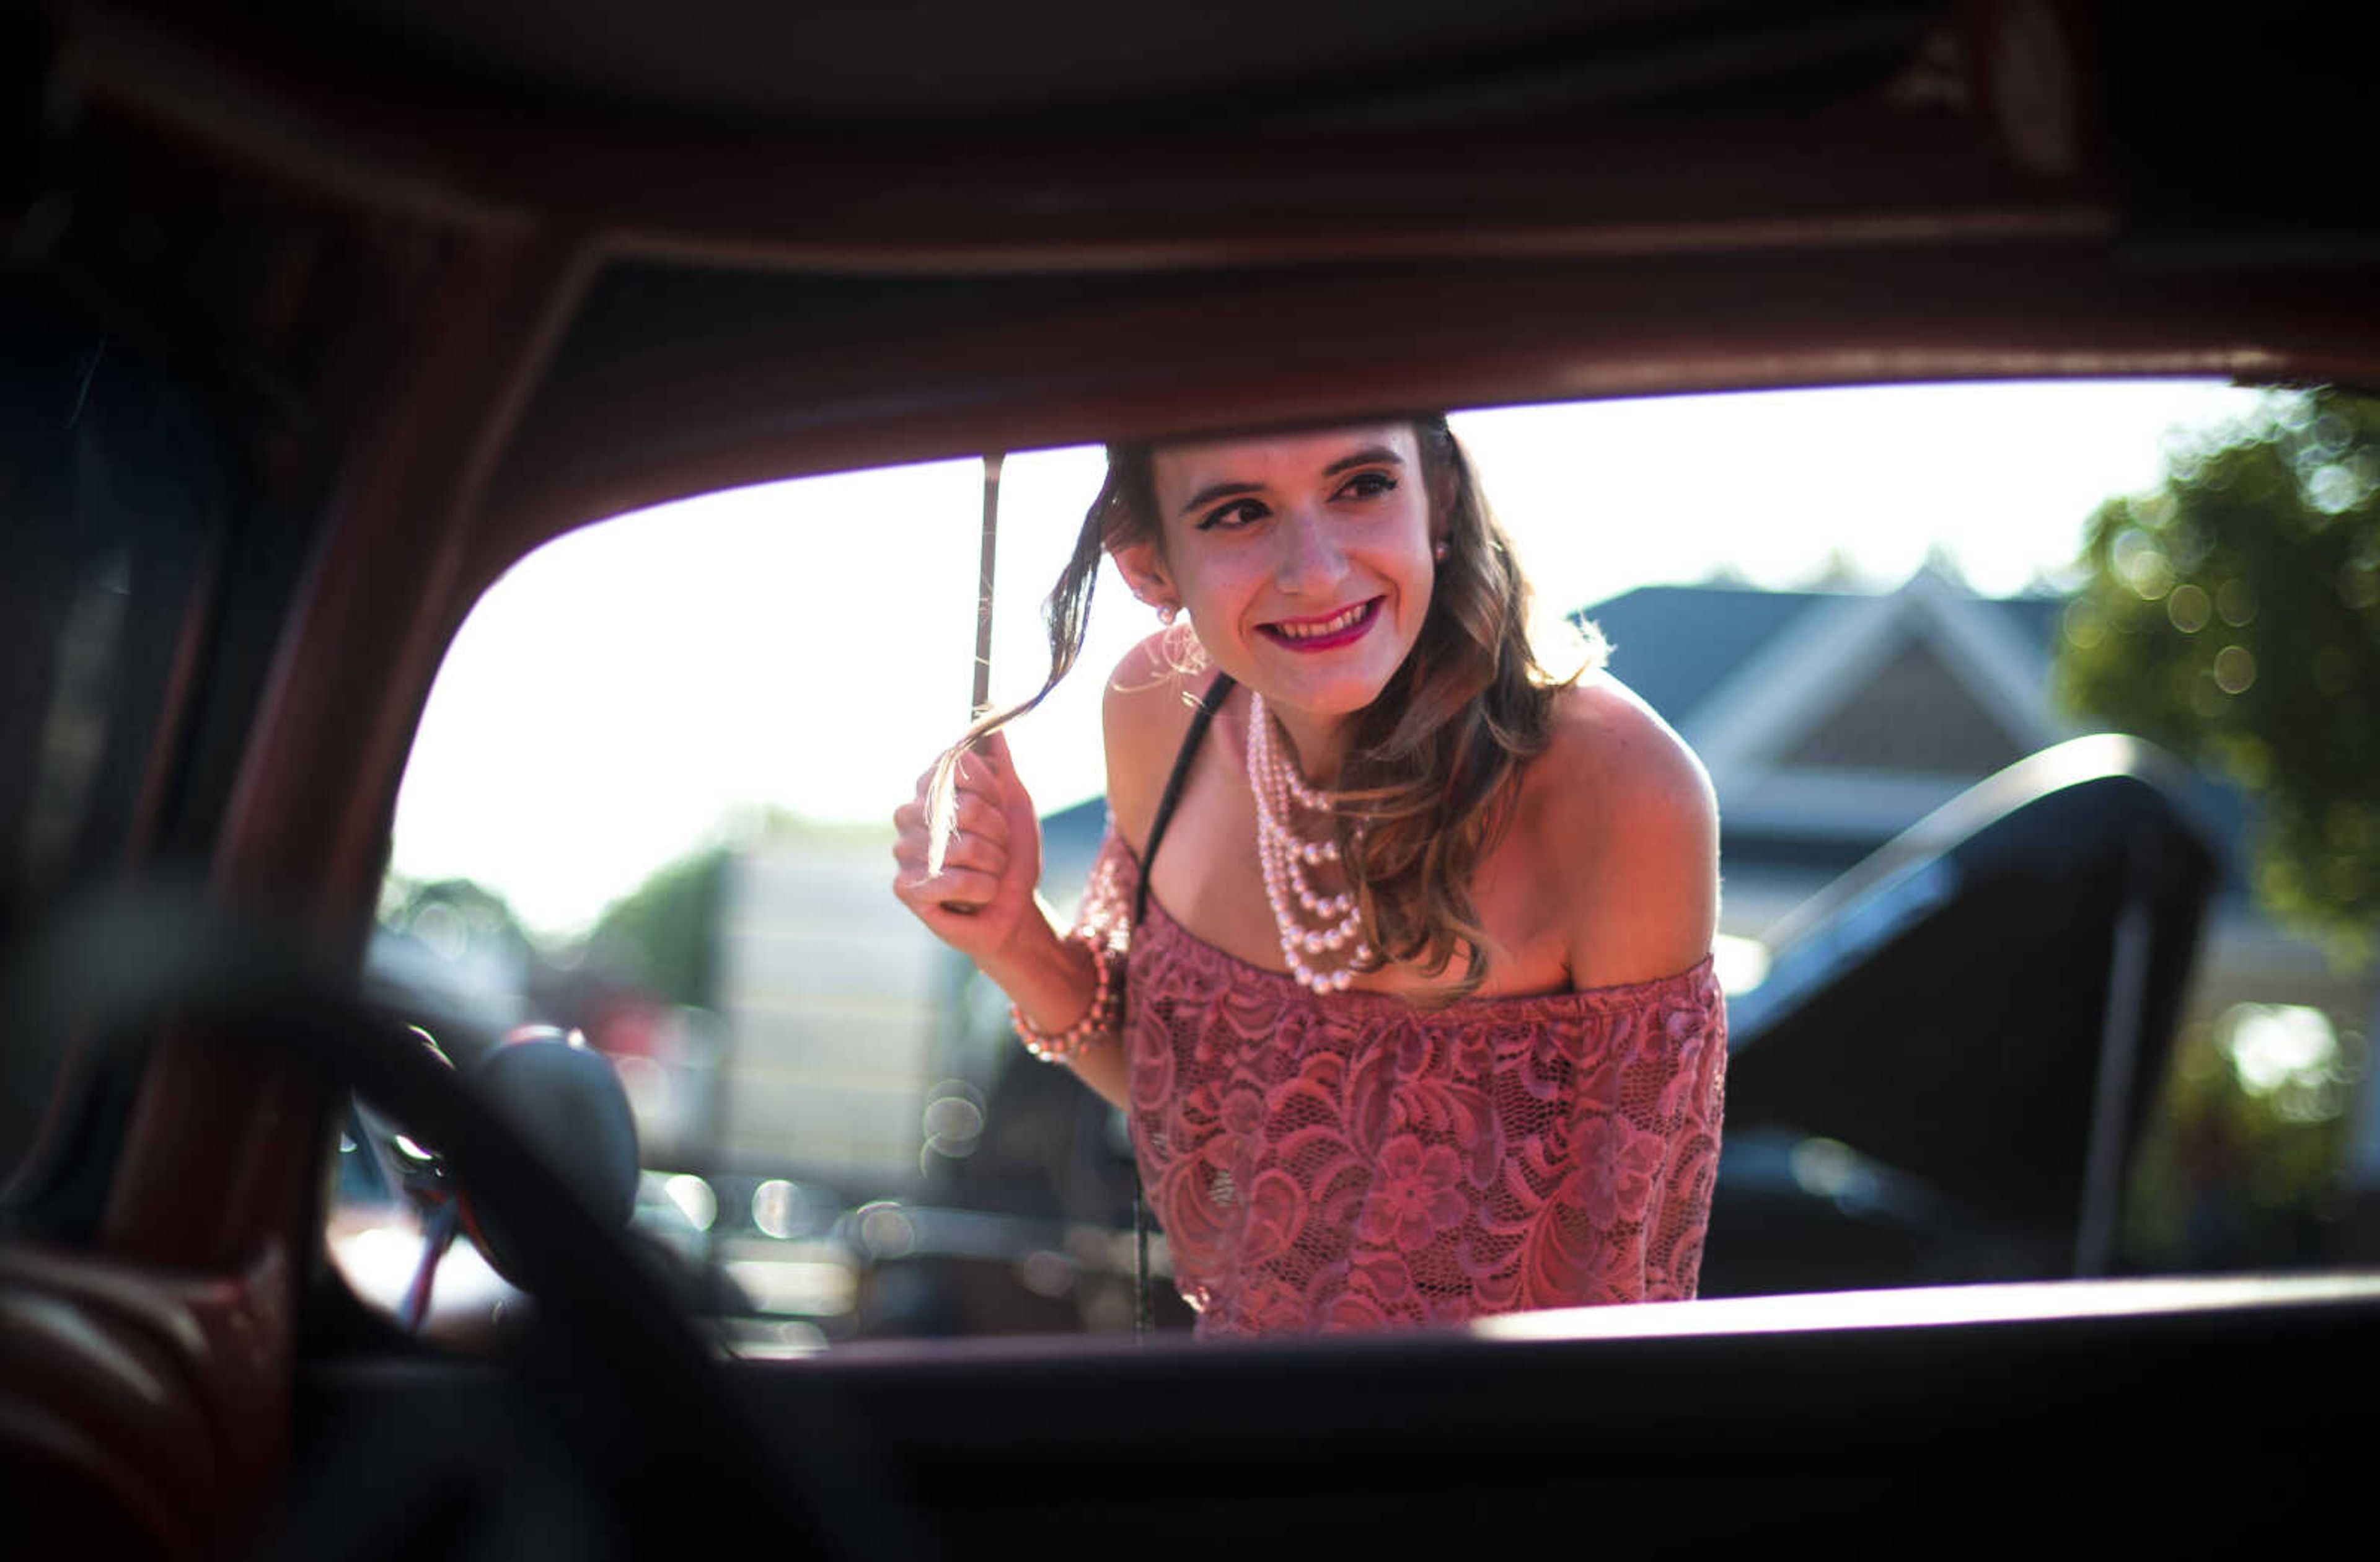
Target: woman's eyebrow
[(1369, 455)]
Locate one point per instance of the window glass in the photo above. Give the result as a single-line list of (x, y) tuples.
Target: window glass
[(650, 801)]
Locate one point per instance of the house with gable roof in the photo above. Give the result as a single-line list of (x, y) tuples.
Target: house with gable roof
[(1831, 721)]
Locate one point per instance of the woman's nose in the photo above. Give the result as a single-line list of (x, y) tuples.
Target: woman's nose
[(1311, 560)]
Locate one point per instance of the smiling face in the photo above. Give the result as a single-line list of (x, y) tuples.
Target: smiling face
[(1303, 560)]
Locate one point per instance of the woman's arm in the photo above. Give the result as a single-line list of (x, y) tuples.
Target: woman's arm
[(982, 900), (1143, 718), (1101, 1066), (1053, 986), (1643, 906), (1673, 1248)]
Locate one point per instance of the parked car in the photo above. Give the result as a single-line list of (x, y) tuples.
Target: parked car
[(318, 321)]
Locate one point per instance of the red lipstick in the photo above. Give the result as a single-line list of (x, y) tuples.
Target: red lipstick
[(1349, 624)]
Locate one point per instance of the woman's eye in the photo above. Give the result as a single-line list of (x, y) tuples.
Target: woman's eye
[(1231, 516), (1368, 485)]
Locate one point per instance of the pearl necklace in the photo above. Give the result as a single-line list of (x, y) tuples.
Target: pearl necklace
[(1288, 859)]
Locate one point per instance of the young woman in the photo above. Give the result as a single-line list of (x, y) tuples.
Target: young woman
[(1397, 953)]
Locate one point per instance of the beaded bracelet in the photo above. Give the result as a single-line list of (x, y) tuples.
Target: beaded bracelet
[(1058, 1046)]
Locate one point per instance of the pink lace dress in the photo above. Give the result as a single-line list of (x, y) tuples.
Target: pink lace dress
[(1350, 1161)]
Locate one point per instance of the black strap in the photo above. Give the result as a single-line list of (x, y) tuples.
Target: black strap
[(1201, 719)]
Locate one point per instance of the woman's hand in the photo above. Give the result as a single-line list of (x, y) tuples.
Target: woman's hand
[(982, 901)]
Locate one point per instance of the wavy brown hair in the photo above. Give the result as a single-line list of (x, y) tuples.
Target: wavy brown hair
[(1430, 769)]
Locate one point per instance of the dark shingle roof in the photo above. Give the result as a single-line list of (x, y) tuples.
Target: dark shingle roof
[(1675, 645)]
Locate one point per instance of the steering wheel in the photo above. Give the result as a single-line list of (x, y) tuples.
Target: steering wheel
[(639, 1403)]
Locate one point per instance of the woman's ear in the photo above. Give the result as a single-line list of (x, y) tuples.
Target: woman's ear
[(1145, 573), (1441, 466), (1444, 488)]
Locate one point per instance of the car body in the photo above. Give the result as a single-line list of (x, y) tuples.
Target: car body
[(403, 292)]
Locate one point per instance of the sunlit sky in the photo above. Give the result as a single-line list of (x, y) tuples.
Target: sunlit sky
[(631, 690)]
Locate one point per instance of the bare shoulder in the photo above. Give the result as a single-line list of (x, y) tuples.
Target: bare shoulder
[(1143, 715), (1621, 801), (1610, 753)]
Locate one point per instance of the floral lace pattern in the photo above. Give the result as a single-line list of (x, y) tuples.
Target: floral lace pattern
[(1352, 1162)]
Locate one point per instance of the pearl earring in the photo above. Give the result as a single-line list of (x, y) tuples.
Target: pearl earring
[(1165, 614), (1438, 550)]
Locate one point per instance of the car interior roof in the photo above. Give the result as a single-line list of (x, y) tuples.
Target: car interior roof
[(933, 64), (792, 239)]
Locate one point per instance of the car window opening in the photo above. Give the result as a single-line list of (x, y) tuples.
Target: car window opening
[(647, 803)]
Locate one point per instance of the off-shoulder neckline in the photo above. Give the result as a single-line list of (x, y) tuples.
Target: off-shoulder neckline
[(1587, 1000)]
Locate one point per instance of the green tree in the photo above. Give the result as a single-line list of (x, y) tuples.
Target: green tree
[(663, 935), (2233, 615)]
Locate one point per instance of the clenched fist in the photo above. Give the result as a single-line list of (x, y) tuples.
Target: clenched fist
[(979, 897)]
